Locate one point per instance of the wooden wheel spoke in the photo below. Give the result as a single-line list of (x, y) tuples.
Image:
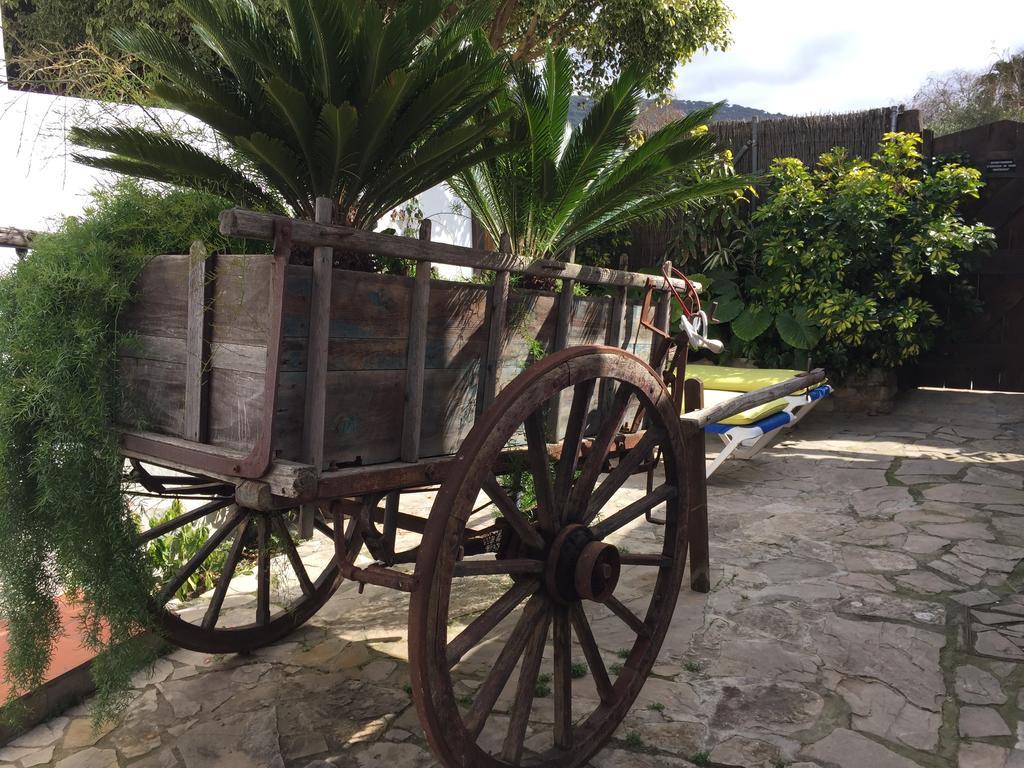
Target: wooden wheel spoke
[(492, 567), (562, 639), (482, 625), (573, 439), (487, 694), (625, 469), (262, 572), (512, 514), (636, 558), (293, 556), (630, 619), (200, 557), (189, 517), (321, 525), (632, 511), (512, 749), (602, 443), (592, 654), (537, 452), (224, 580)]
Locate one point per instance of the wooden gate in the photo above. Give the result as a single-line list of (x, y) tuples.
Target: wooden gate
[(991, 355)]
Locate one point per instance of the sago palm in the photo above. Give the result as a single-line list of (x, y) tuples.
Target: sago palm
[(335, 99), (562, 186)]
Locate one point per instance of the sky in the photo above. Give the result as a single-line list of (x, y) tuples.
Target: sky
[(791, 56), (813, 56)]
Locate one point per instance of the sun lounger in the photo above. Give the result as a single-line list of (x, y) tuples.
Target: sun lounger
[(748, 432)]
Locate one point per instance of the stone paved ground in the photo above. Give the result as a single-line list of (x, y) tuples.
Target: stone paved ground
[(864, 614)]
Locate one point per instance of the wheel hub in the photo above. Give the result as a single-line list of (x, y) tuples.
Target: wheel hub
[(579, 567)]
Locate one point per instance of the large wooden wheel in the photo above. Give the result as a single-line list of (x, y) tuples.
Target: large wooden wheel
[(243, 546), (548, 597)]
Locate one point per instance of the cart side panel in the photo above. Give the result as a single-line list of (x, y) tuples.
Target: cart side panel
[(367, 366), (457, 336), (238, 351), (529, 325), (152, 356)]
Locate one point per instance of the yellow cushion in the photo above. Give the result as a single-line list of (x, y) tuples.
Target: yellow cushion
[(738, 379), (749, 416)]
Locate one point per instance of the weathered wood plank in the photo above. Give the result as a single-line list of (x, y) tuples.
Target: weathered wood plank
[(317, 352), (166, 349), (12, 237), (241, 295), (715, 413), (241, 223), (416, 361), (197, 344), (562, 324), (154, 395), (496, 311), (159, 306)]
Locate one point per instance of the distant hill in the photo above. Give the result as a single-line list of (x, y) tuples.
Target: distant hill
[(654, 115)]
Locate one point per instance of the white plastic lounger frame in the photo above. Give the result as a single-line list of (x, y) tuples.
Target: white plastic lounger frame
[(747, 440)]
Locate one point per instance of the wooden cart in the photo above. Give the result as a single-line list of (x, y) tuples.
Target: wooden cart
[(300, 400)]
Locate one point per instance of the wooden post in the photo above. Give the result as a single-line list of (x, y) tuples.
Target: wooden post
[(197, 344), (417, 356), (496, 310), (753, 144), (614, 335), (697, 489), (562, 325), (316, 358)]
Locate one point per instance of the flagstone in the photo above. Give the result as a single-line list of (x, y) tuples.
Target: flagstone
[(252, 737), (876, 560), (964, 493), (976, 686), (979, 597), (90, 757), (775, 708), (988, 476), (992, 643), (902, 656), (893, 607), (880, 710), (847, 749), (920, 544), (928, 467), (958, 530), (981, 722), (925, 581)]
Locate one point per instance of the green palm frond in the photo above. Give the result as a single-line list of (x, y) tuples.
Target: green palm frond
[(339, 100), (171, 159), (559, 187)]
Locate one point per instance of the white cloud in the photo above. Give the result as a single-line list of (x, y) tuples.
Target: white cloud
[(805, 57)]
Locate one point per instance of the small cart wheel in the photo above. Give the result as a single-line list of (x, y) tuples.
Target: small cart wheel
[(551, 595), (290, 586)]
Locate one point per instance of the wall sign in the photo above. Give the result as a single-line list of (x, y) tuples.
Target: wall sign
[(1001, 166)]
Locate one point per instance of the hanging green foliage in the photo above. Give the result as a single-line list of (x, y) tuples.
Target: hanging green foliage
[(65, 526)]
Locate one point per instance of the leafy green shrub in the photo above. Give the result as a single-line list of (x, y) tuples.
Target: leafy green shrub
[(167, 554), (65, 526), (849, 258)]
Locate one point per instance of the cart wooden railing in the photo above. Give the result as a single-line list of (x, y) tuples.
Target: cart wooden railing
[(300, 472)]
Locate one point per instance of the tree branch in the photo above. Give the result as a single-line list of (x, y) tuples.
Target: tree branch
[(501, 21)]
